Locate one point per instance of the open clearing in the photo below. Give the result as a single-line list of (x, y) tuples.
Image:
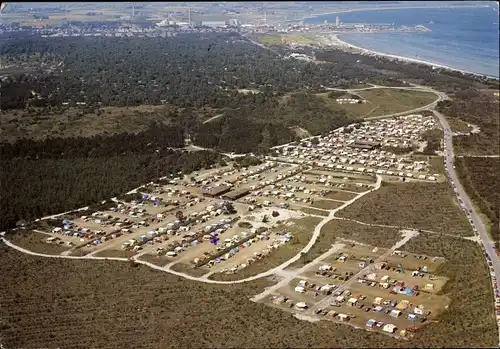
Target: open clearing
[(427, 206), (35, 242), (326, 204), (457, 125), (115, 253), (73, 122), (278, 39), (381, 102), (155, 259), (334, 229)]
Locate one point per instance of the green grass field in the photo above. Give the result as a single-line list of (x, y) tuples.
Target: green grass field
[(279, 39), (381, 102)]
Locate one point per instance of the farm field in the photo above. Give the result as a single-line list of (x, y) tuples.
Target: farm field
[(381, 102), (427, 206)]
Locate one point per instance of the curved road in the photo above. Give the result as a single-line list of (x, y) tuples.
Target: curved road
[(316, 233), (441, 96), (462, 195)]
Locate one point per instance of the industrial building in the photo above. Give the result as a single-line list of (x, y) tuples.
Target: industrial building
[(213, 24)]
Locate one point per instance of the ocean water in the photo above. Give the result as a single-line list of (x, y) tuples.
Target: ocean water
[(461, 38)]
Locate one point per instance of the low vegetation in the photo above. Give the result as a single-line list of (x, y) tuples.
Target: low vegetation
[(35, 242), (147, 308), (429, 206), (340, 195), (65, 121), (60, 174), (433, 139), (115, 253), (155, 259), (457, 125), (311, 211), (188, 269), (478, 109), (337, 228), (326, 204), (464, 323), (479, 176)]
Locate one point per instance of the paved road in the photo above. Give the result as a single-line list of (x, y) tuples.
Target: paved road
[(414, 87), (482, 233), (477, 156), (270, 272), (476, 221)]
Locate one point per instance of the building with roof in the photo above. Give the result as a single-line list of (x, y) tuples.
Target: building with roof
[(216, 191), (236, 194)]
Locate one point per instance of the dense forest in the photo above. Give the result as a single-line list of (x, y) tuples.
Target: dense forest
[(186, 70), (262, 99), (60, 174), (246, 130)]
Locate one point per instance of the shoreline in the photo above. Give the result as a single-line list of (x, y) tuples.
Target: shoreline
[(339, 43), (384, 8)]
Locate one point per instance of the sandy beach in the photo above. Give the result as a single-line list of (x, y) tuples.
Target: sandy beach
[(335, 41), (386, 8)]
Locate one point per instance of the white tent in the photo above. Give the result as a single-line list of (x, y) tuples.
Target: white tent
[(389, 328)]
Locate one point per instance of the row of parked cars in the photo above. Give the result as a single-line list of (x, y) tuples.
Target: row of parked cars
[(468, 212)]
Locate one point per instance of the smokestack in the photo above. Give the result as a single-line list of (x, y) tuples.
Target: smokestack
[(133, 10)]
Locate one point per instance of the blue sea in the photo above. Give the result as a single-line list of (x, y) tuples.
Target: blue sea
[(461, 38)]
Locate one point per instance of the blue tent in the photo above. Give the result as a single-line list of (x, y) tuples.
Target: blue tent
[(412, 317), (409, 292), (371, 323)]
